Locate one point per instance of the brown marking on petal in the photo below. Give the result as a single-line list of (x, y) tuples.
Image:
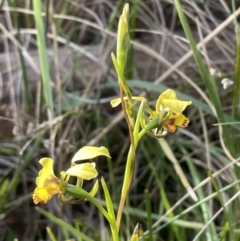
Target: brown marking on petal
[(174, 114), (51, 180), (185, 123), (171, 128), (36, 199), (169, 122)]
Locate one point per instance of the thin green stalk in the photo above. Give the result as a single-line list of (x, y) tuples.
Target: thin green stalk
[(74, 191), (122, 80), (129, 166), (170, 155), (236, 90), (215, 185), (65, 226), (126, 183), (206, 77), (108, 199), (47, 18), (130, 161), (151, 125), (149, 212), (236, 96), (224, 232), (26, 94), (211, 230), (42, 51), (50, 234), (187, 210), (132, 25), (20, 170), (160, 183)]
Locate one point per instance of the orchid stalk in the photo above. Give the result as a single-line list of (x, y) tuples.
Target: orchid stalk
[(164, 119)]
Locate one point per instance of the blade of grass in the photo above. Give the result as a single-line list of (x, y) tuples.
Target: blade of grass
[(192, 207), (50, 234), (236, 89), (214, 183), (64, 225), (26, 94), (17, 177), (207, 78), (132, 25), (42, 51), (223, 236), (170, 155), (108, 199), (211, 230), (78, 224), (160, 183), (149, 214)]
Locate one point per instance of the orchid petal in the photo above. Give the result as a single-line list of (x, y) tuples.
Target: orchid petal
[(85, 171), (117, 101), (176, 106), (181, 120), (47, 182), (46, 172), (90, 152), (168, 94)]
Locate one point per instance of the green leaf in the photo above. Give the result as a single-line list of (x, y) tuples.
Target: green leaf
[(108, 199), (42, 51), (65, 225), (206, 76)]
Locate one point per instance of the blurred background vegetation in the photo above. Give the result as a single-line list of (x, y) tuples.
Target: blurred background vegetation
[(54, 98)]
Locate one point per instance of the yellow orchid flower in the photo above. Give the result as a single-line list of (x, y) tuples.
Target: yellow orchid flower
[(168, 112), (172, 107), (48, 184)]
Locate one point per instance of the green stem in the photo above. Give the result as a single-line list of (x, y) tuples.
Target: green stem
[(42, 50), (216, 187), (121, 79), (77, 192), (129, 166), (126, 183), (150, 125)]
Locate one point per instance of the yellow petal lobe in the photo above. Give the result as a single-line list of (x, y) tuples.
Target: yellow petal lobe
[(181, 120), (117, 101), (176, 106), (168, 99), (85, 171), (167, 94), (90, 152), (45, 172)]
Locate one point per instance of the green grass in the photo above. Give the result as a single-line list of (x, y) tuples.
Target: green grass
[(67, 106)]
